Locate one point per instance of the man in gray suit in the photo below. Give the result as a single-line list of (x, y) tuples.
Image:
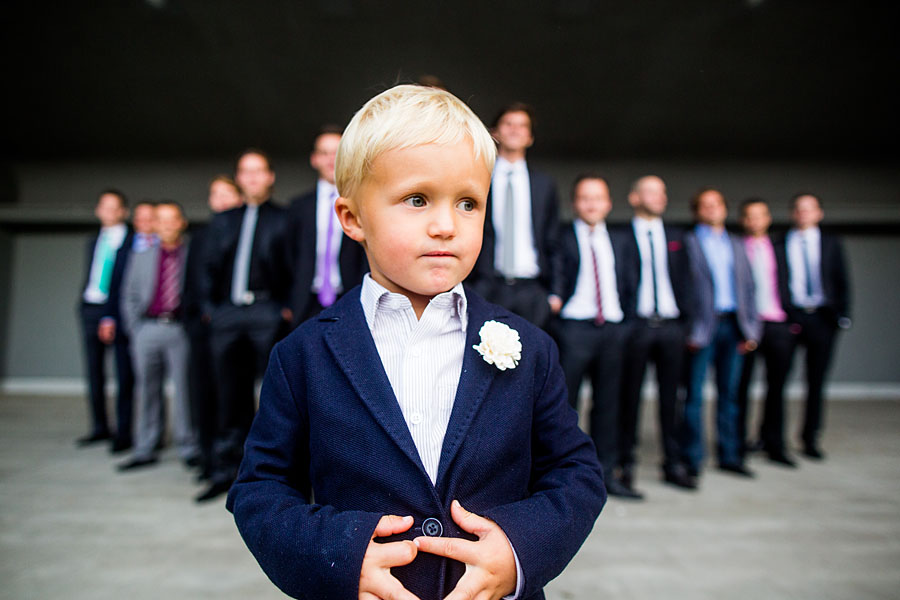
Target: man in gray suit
[(152, 310), (725, 326)]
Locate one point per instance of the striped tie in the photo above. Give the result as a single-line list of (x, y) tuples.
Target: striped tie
[(170, 283), (599, 320)]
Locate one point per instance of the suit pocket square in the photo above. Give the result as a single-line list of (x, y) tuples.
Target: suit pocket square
[(674, 246)]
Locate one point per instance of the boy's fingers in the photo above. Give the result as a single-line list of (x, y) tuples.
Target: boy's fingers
[(394, 554), (392, 525), (469, 521), (456, 548), (388, 588)]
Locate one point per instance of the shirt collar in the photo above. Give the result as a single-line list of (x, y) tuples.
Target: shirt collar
[(504, 166), (325, 189), (374, 297), (705, 231), (585, 228)]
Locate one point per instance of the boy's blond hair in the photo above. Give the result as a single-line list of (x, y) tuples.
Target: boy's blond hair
[(402, 117)]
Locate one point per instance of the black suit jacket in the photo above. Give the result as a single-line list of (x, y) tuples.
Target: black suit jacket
[(193, 293), (269, 270), (111, 306), (567, 261), (545, 227), (835, 280), (679, 270), (301, 242)]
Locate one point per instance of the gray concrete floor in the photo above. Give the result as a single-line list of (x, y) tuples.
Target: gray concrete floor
[(71, 527)]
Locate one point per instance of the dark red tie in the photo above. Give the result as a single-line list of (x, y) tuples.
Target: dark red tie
[(170, 283), (599, 320)]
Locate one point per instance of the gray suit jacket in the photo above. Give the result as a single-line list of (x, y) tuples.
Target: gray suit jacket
[(139, 284), (703, 325)]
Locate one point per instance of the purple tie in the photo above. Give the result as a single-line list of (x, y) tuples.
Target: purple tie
[(327, 294)]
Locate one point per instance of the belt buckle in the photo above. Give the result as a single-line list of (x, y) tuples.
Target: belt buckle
[(810, 310), (248, 298), (654, 321)]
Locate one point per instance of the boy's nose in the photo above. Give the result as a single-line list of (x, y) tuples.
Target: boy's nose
[(442, 224)]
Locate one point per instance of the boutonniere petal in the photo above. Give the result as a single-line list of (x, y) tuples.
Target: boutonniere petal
[(500, 345)]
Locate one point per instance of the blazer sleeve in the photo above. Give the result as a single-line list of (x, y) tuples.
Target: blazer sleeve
[(308, 550), (702, 313), (123, 256), (131, 297), (567, 492), (840, 281)]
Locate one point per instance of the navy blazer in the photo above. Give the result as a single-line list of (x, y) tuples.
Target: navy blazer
[(702, 327), (111, 306), (544, 224), (567, 261), (269, 270), (302, 237), (329, 454), (835, 281)]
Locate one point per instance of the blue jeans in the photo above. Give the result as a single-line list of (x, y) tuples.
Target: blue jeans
[(722, 351)]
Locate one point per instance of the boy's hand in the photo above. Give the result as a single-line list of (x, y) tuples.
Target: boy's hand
[(375, 579), (490, 564)]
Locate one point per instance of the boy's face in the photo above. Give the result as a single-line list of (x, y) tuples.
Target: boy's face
[(323, 155), (591, 202), (419, 213), (756, 219), (110, 210)]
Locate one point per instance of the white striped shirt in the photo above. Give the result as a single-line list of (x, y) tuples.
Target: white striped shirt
[(422, 358)]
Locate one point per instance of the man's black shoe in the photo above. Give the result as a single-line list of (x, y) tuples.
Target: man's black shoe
[(782, 459), (136, 463), (214, 491), (92, 438), (615, 488), (678, 476), (736, 469), (192, 462), (814, 452), (120, 445)]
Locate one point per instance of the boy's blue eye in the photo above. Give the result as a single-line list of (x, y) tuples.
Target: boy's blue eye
[(467, 205), (416, 201)]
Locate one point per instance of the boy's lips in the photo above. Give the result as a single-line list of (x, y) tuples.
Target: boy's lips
[(438, 253)]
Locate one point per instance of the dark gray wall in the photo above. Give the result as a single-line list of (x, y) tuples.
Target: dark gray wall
[(42, 241)]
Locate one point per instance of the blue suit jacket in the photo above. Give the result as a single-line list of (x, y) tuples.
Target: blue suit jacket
[(329, 453)]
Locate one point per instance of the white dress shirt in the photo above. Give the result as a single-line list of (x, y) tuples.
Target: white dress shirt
[(526, 258), (583, 303), (423, 361), (114, 237), (326, 194), (668, 308), (808, 241)]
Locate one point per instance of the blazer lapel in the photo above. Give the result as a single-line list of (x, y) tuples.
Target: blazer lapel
[(474, 381), (351, 343)]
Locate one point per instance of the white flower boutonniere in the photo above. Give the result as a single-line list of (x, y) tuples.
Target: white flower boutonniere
[(500, 345)]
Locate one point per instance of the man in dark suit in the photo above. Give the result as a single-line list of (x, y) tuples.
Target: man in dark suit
[(820, 304), (593, 292), (724, 328), (663, 306), (325, 262), (152, 311), (223, 195), (107, 255), (248, 280), (521, 224), (776, 346)]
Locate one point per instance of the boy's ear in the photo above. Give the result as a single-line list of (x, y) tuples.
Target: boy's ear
[(346, 213)]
